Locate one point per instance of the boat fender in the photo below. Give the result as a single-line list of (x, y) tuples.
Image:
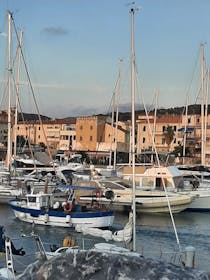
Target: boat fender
[(68, 218), (67, 206), (22, 215), (54, 179), (195, 184), (68, 242), (109, 194), (46, 218)]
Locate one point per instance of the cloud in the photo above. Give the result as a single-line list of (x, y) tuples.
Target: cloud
[(44, 86), (55, 31)]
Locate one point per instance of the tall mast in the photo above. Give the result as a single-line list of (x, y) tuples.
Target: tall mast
[(9, 126), (17, 94), (154, 124), (117, 113), (185, 132), (202, 105), (133, 127), (112, 129), (206, 112)]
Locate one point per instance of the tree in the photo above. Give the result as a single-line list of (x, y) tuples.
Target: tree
[(169, 135)]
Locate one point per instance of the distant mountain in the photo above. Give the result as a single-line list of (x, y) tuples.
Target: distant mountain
[(192, 109), (31, 117), (126, 115)]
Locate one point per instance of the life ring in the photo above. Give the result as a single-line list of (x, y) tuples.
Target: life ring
[(67, 206), (99, 193)]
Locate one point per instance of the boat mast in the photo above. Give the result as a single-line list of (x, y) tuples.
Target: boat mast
[(202, 105), (185, 132), (117, 113), (206, 111), (112, 130), (9, 125), (154, 124), (132, 11), (17, 94)]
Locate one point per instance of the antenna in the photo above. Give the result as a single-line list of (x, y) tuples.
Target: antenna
[(133, 3)]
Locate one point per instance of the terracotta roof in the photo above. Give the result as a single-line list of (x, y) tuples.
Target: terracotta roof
[(56, 121)]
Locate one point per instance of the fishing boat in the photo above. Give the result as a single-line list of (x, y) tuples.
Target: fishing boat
[(46, 209)]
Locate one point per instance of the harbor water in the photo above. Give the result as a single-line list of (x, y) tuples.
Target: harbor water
[(155, 236)]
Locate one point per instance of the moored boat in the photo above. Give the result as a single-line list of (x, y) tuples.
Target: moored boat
[(43, 209)]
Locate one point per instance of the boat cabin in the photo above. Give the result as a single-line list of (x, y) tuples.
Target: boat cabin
[(156, 177), (39, 200)]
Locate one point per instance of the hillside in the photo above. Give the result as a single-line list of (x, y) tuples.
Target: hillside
[(124, 116)]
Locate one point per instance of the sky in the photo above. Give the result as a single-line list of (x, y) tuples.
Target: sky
[(72, 50)]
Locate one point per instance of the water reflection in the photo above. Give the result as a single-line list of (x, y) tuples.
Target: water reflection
[(155, 234)]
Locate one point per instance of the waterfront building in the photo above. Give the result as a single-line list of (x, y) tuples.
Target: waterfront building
[(148, 126), (95, 135), (54, 133)]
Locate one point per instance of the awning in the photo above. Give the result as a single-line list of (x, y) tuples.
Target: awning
[(188, 129)]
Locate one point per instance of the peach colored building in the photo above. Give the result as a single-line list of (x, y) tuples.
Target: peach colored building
[(95, 133), (194, 135), (148, 127), (50, 133), (3, 128)]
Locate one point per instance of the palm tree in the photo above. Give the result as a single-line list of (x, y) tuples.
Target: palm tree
[(169, 135)]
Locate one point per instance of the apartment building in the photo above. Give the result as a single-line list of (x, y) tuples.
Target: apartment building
[(54, 133), (95, 134), (146, 127), (194, 135), (3, 128)]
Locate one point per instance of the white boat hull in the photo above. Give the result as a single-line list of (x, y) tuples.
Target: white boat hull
[(147, 204), (202, 202), (61, 219)]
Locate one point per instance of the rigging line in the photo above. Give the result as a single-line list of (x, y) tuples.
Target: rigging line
[(197, 97), (24, 122), (158, 162), (191, 80), (3, 95), (112, 99), (97, 150), (32, 91)]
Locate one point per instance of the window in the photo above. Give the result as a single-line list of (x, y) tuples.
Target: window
[(80, 138), (38, 136), (91, 138), (189, 120), (163, 141), (32, 199), (163, 129), (91, 127), (174, 140), (81, 127), (143, 140), (144, 128), (198, 120), (175, 128), (39, 128)]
